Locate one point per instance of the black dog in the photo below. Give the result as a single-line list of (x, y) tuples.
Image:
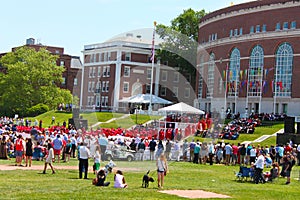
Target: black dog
[(147, 179)]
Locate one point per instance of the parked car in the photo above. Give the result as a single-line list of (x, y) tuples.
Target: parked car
[(119, 153)]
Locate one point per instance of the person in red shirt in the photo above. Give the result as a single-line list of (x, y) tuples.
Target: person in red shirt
[(20, 148), (235, 150)]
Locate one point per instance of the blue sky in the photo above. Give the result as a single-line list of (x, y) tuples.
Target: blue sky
[(74, 23)]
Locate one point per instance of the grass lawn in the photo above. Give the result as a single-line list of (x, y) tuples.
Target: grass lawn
[(31, 184)]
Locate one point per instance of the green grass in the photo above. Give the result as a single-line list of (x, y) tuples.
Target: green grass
[(129, 121), (30, 184)]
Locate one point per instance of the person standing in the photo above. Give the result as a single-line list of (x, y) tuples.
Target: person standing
[(49, 159), (259, 167), (242, 151), (162, 168), (168, 149), (298, 154), (160, 149), (289, 163), (196, 153), (177, 151), (192, 146), (141, 150), (103, 142), (228, 151), (20, 148), (84, 154), (74, 145), (152, 146), (185, 147), (57, 146), (211, 152), (29, 152)]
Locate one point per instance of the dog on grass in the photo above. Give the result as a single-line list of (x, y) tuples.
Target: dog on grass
[(146, 180)]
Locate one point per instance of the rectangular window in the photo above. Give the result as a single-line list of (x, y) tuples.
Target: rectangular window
[(98, 101), (109, 56), (293, 25), (106, 101), (89, 86), (251, 29), (99, 71), (63, 81), (94, 72), (264, 28), (107, 71), (107, 86), (209, 38), (90, 72), (62, 63), (104, 71), (163, 91), (285, 26), (93, 87), (241, 31), (187, 93), (175, 91), (231, 33), (100, 57), (277, 26), (126, 87), (236, 33), (102, 100), (127, 56), (216, 36), (75, 81), (126, 71), (176, 77), (164, 76), (149, 73), (257, 30), (148, 89), (103, 86)]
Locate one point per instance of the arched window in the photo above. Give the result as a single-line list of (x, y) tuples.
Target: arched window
[(255, 73), (283, 73), (210, 76), (234, 71)]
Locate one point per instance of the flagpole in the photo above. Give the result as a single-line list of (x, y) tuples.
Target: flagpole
[(275, 93), (261, 89), (236, 90), (152, 68), (247, 91), (225, 95)]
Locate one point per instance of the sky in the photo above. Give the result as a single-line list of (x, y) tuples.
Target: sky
[(74, 23)]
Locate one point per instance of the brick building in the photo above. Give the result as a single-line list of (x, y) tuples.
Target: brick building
[(248, 58), (72, 64), (121, 68)]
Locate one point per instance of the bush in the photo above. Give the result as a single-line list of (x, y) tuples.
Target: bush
[(37, 110)]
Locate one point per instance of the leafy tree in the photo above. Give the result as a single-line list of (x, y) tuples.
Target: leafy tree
[(181, 41), (30, 78)]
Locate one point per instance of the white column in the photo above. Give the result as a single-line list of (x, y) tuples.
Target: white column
[(117, 81)]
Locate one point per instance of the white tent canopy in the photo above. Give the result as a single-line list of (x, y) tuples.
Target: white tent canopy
[(145, 98), (182, 108)]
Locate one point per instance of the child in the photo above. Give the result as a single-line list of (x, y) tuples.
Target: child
[(101, 179), (274, 172), (97, 158), (49, 159), (119, 180), (68, 151)]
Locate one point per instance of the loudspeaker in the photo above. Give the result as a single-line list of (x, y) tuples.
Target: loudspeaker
[(289, 125)]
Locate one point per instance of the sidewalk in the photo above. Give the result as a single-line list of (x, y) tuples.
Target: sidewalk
[(108, 121)]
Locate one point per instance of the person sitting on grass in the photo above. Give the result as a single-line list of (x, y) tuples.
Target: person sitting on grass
[(119, 180), (101, 179)]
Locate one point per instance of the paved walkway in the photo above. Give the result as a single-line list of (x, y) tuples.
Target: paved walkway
[(108, 121)]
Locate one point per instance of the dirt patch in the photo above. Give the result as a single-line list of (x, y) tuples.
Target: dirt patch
[(194, 194), (57, 167)]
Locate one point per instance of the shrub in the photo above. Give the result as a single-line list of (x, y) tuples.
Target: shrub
[(37, 110)]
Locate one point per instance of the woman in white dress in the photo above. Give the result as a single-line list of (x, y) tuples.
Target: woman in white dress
[(49, 159)]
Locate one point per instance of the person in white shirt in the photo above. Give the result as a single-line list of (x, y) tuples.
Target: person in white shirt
[(84, 154), (49, 159), (259, 167)]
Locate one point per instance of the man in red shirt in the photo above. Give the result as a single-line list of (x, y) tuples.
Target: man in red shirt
[(235, 150), (20, 148)]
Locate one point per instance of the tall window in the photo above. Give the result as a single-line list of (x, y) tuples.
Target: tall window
[(99, 71), (149, 73), (210, 77), (234, 69), (200, 79), (175, 91), (164, 76), (283, 73), (127, 56), (176, 77), (126, 87), (126, 71), (163, 91), (255, 73)]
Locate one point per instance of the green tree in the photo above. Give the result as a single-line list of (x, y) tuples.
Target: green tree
[(180, 42), (30, 78)]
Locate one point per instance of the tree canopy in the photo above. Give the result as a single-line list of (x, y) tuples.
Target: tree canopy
[(30, 78), (181, 41)]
